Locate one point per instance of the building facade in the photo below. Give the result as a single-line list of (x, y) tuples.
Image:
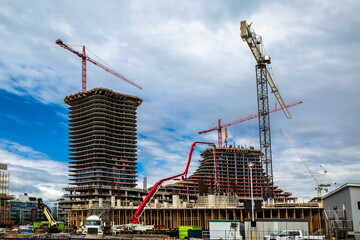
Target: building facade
[(342, 211), (24, 209)]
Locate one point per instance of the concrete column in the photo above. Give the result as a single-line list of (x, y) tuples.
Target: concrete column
[(211, 200), (112, 200), (118, 202), (90, 203), (175, 200), (100, 202)]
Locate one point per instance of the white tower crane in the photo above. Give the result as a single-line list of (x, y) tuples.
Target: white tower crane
[(263, 79), (319, 184)]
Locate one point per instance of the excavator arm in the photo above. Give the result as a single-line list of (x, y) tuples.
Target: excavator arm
[(47, 212)]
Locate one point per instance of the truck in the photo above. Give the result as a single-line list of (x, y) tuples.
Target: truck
[(93, 225), (293, 235)]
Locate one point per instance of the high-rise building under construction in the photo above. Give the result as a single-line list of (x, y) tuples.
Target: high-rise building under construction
[(102, 146)]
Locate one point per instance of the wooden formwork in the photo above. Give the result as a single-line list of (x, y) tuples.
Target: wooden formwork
[(175, 217)]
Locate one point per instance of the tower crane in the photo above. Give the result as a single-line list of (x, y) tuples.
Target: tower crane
[(85, 58), (252, 116), (319, 184), (263, 79)]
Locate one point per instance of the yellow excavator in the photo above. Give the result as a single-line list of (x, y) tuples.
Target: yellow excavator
[(47, 212)]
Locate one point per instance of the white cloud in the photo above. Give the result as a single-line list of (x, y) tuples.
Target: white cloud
[(194, 69), (33, 172)]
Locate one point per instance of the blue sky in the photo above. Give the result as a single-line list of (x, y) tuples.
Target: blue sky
[(194, 68)]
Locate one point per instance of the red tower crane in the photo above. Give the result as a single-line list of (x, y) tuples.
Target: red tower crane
[(85, 58), (252, 116)]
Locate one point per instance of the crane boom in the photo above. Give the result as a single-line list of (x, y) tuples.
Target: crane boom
[(252, 116), (292, 143), (319, 184), (256, 46), (157, 185), (85, 58), (47, 212)]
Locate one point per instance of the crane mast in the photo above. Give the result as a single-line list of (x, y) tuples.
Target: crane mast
[(263, 79), (85, 58)]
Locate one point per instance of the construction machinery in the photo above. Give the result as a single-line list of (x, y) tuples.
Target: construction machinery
[(263, 79), (252, 116), (320, 185), (47, 212), (134, 224), (93, 225), (85, 58)]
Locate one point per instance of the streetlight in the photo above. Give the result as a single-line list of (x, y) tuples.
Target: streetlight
[(253, 223), (251, 165)]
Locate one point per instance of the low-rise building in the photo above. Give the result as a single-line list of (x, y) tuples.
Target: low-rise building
[(24, 209), (342, 211)]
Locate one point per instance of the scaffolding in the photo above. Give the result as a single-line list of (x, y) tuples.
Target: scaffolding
[(233, 176), (172, 215), (5, 196)]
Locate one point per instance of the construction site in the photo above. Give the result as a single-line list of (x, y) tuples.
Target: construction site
[(231, 183)]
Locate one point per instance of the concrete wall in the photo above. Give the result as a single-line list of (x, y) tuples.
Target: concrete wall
[(225, 229), (355, 211), (346, 199)]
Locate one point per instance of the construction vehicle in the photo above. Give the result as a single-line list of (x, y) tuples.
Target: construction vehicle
[(93, 225), (85, 58), (320, 185), (135, 225), (252, 116), (54, 228), (263, 79)]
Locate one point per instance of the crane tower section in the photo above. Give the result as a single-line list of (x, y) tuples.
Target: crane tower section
[(263, 79)]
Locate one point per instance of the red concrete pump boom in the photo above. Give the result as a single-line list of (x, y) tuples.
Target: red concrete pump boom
[(252, 116), (157, 185), (85, 58)]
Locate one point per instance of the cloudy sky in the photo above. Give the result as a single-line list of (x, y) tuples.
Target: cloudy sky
[(194, 69)]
